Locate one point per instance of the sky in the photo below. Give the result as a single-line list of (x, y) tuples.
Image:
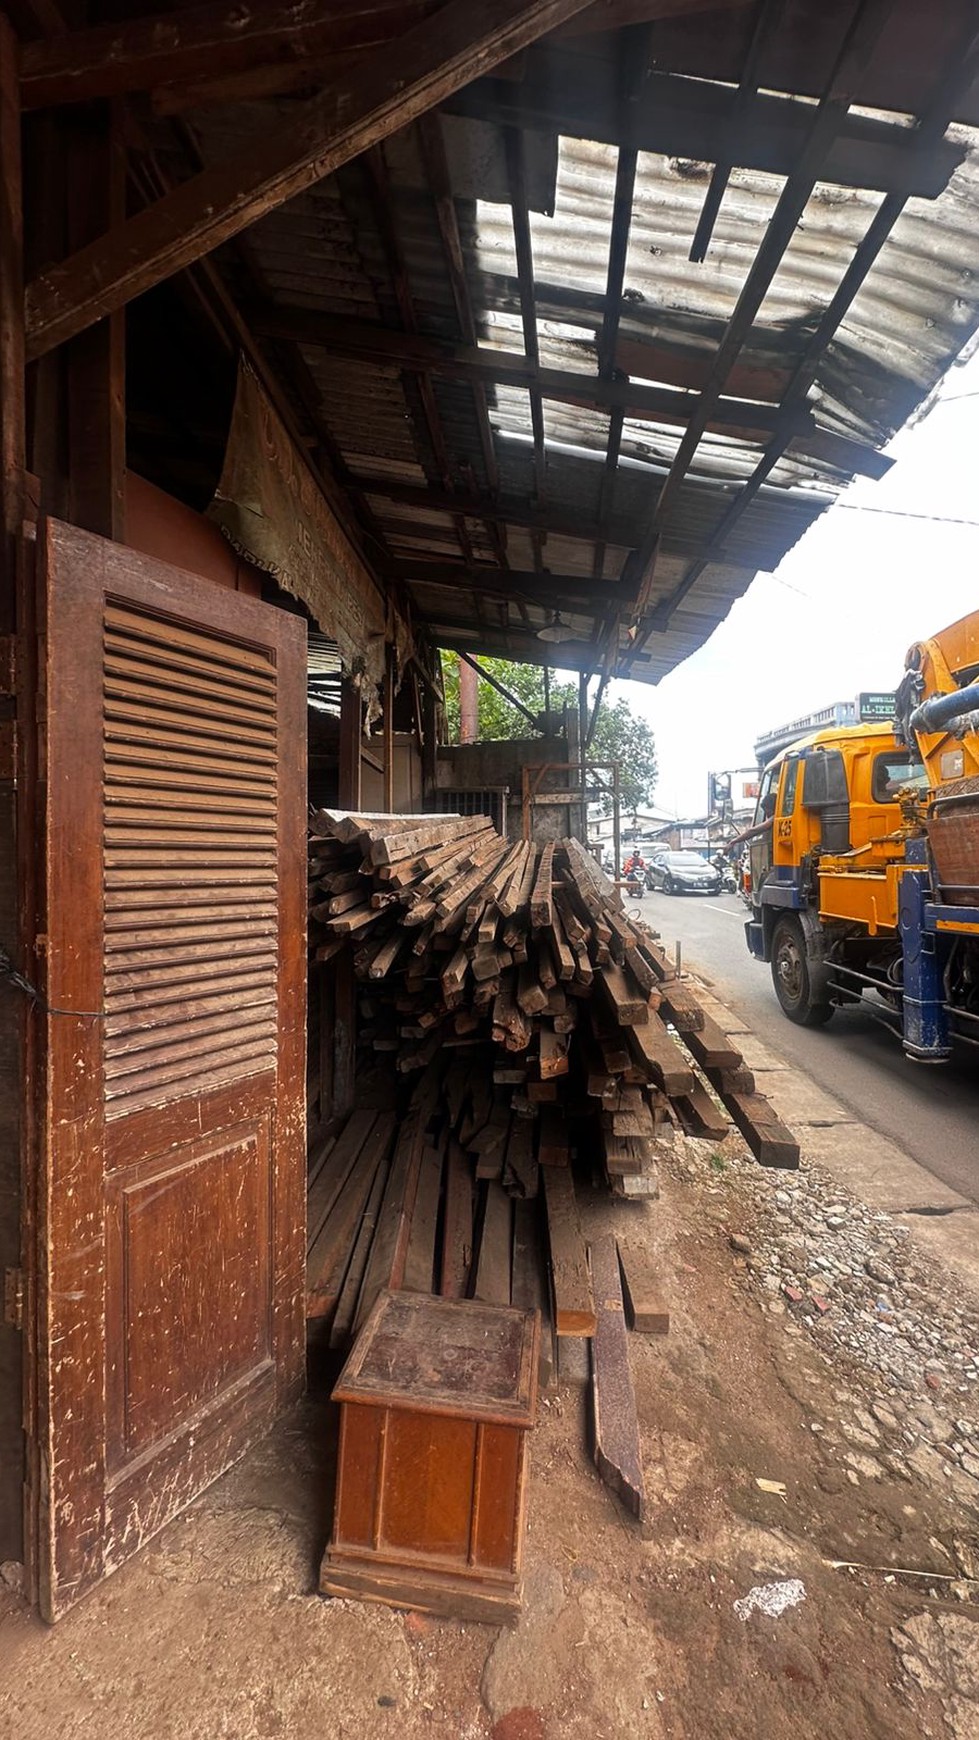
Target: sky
[(839, 613)]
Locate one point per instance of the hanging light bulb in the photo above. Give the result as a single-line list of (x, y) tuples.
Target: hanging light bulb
[(556, 630)]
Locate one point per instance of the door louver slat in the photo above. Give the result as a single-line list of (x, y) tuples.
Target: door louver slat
[(190, 905)]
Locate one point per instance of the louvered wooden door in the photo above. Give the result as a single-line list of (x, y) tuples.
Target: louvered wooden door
[(172, 1211)]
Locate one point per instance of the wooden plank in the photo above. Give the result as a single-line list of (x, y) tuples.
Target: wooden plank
[(330, 1252), (385, 1267), (699, 1115), (618, 1453), (341, 1329), (711, 1046), (646, 1309), (520, 1167), (491, 1281), (419, 1274), (387, 90), (528, 1288), (332, 1174), (770, 1141), (541, 905), (574, 1303), (660, 1057), (457, 1224), (553, 1147), (624, 1001)]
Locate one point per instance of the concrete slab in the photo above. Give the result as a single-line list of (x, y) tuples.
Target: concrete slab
[(877, 1171), (726, 1020), (798, 1100), (952, 1239), (759, 1056)]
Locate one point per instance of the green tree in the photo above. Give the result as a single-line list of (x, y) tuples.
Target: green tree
[(619, 736)]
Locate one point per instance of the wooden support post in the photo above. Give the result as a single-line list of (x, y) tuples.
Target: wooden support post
[(389, 730), (13, 1010), (348, 793), (96, 359), (429, 746)]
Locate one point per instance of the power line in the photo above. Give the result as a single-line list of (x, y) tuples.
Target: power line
[(858, 507)]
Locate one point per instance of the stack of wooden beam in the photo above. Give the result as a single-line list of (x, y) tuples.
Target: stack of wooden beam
[(541, 1023)]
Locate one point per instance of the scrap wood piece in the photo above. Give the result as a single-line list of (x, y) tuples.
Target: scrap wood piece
[(711, 1047), (330, 1251), (491, 1273), (553, 1053), (623, 999), (659, 1056), (699, 1115), (770, 1141), (541, 902), (646, 1309), (574, 1303), (386, 847), (618, 1453), (457, 1224)]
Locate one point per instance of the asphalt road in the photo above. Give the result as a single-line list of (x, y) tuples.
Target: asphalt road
[(931, 1111)]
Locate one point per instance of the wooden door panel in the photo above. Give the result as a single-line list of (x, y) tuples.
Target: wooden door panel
[(182, 1338), (173, 1212)]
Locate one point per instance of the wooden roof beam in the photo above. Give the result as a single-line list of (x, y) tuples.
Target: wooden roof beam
[(386, 91), (219, 39), (523, 248), (699, 121), (437, 170), (365, 342)]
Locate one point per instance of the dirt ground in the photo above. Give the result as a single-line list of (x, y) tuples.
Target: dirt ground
[(215, 1631)]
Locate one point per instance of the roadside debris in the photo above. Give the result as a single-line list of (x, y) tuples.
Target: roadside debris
[(771, 1599)]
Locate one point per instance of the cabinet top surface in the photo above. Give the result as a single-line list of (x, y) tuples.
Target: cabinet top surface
[(446, 1356)]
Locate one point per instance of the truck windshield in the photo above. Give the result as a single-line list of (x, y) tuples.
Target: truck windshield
[(892, 772)]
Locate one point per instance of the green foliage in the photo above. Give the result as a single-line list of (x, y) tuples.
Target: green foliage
[(619, 736)]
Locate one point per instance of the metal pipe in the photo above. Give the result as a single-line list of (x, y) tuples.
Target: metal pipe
[(939, 710)]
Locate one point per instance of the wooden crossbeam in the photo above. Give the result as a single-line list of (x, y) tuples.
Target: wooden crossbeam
[(410, 75), (362, 341), (704, 122)]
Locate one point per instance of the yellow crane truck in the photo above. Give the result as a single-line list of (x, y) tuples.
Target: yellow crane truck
[(865, 859)]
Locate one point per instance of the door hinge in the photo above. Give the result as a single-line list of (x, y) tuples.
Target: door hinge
[(13, 1298)]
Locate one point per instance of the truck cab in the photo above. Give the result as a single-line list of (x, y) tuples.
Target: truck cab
[(827, 856)]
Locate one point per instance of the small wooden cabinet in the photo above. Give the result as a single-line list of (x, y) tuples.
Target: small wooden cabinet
[(436, 1399)]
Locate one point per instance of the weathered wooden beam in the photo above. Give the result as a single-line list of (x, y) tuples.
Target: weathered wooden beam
[(364, 342), (12, 416), (704, 122), (206, 42), (618, 1453), (391, 88)]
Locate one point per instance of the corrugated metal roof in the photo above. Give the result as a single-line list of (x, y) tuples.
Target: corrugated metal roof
[(447, 468)]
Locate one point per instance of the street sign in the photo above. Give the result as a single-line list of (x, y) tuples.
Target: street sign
[(874, 708)]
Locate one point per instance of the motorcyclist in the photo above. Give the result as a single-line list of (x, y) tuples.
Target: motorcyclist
[(634, 866)]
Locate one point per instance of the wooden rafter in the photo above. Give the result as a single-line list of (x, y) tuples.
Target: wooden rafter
[(388, 90), (213, 48), (369, 343)]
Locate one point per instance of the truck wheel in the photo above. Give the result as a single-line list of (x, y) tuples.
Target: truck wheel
[(792, 978)]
